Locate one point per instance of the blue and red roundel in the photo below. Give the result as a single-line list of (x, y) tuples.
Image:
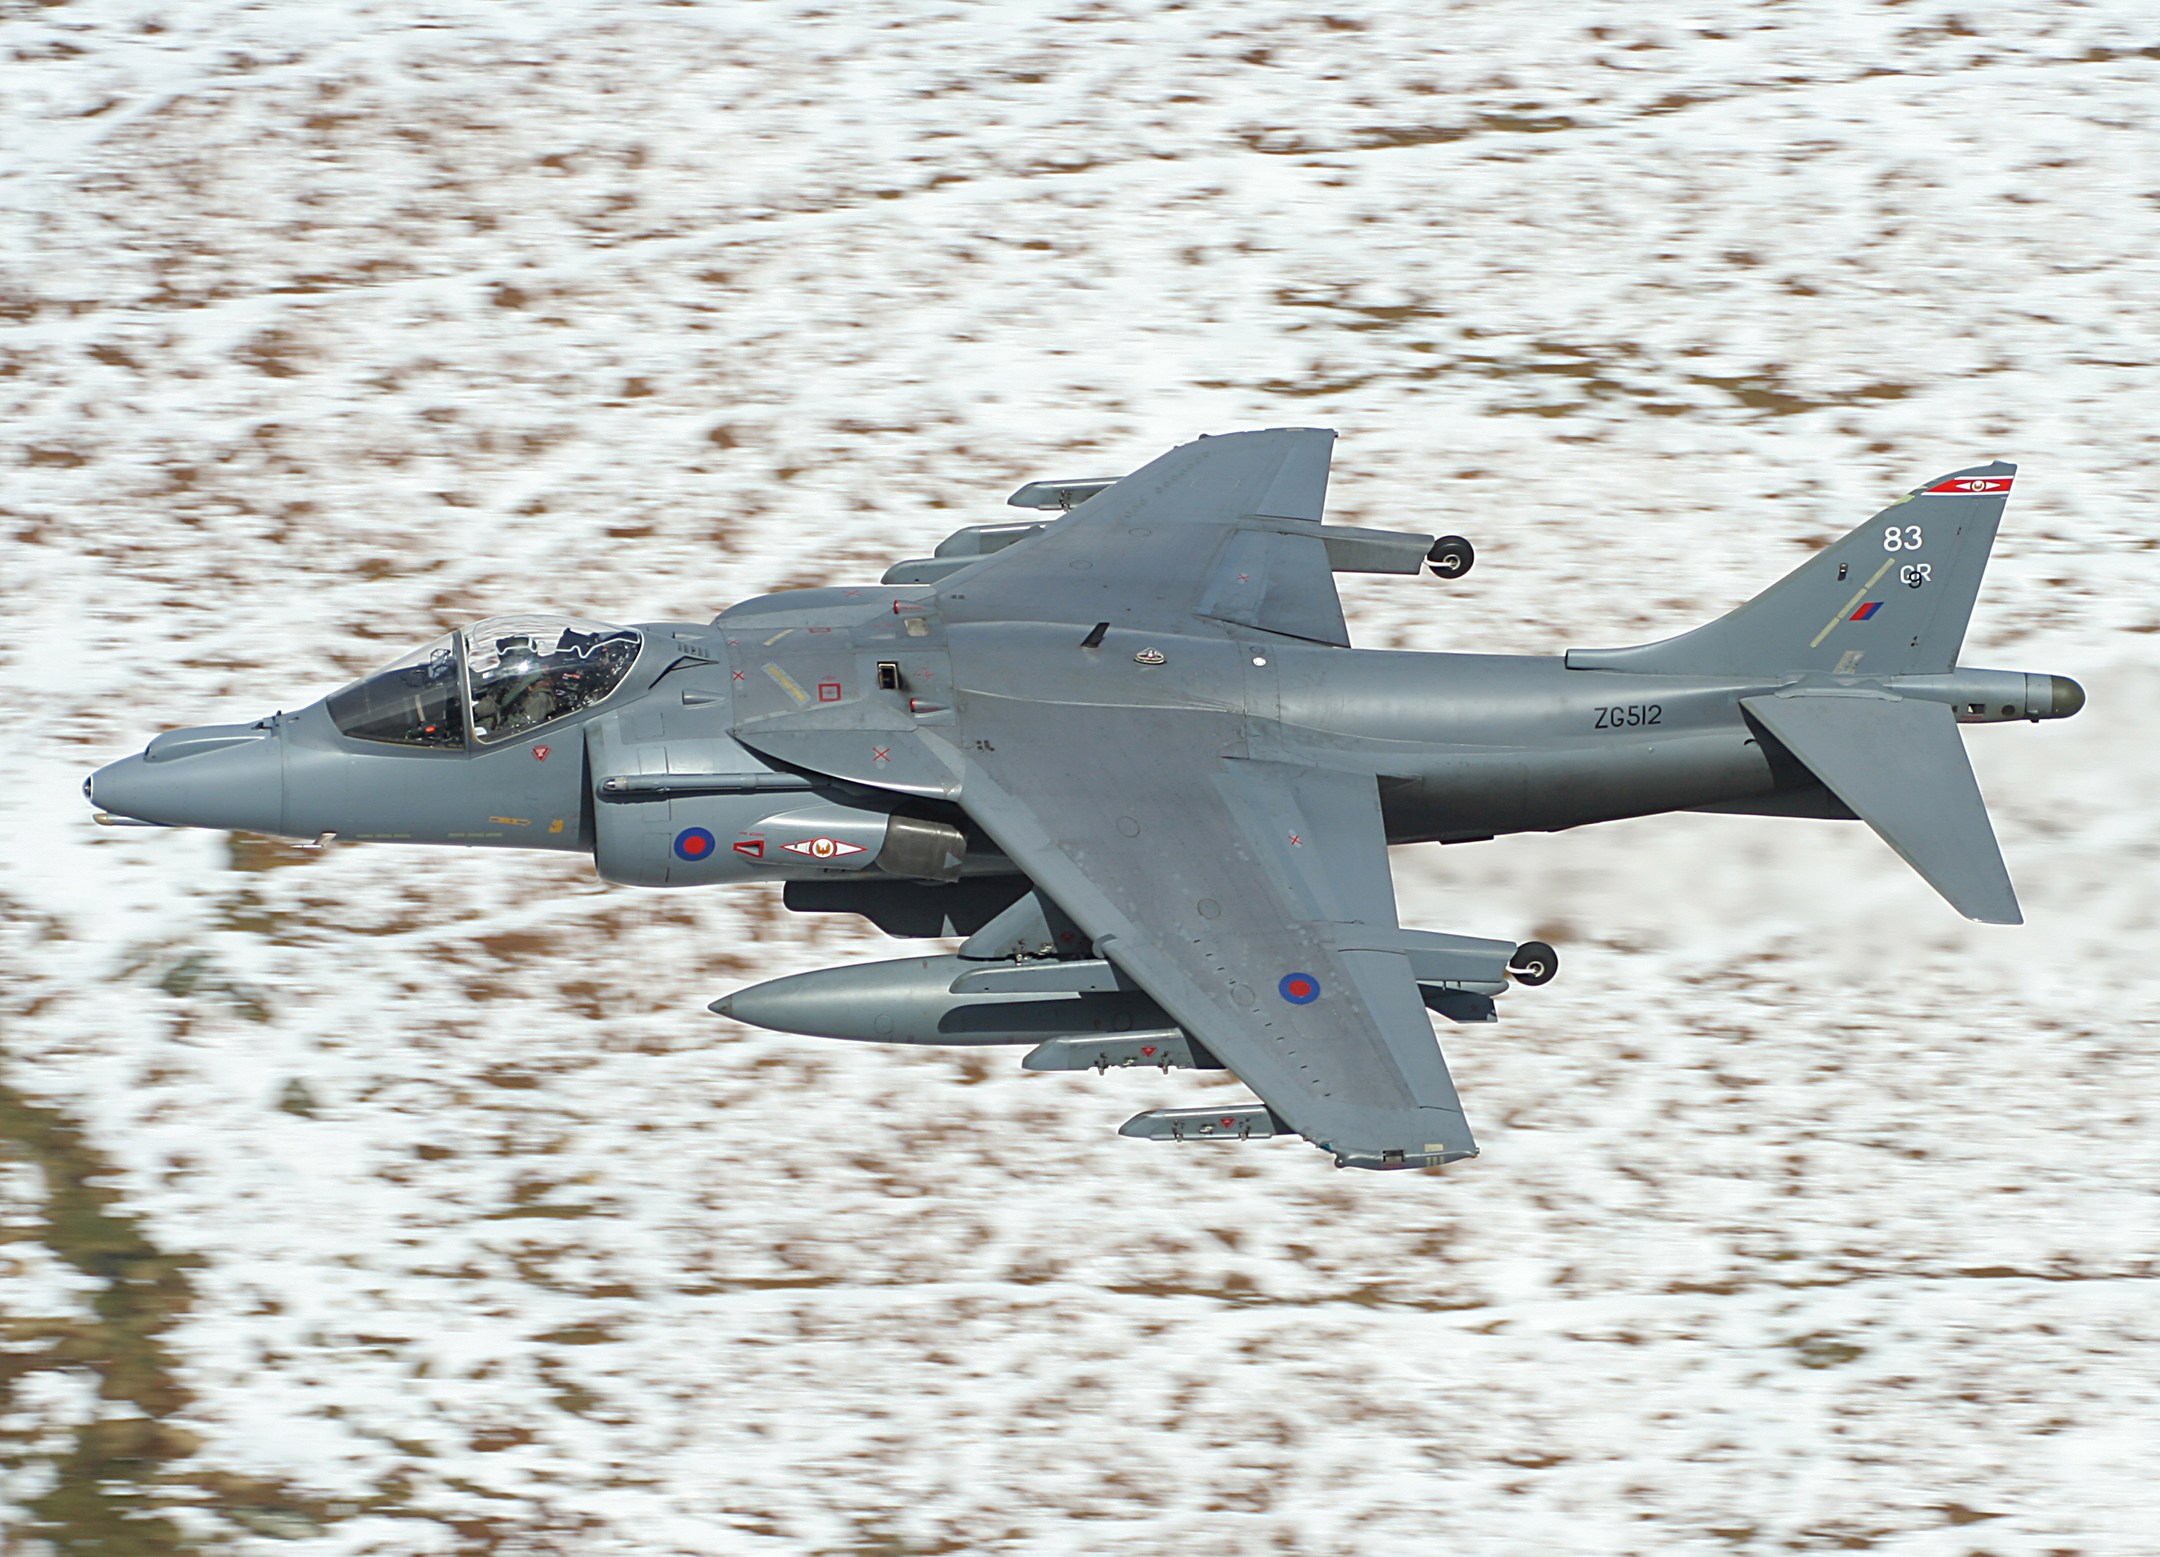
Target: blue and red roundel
[(1300, 989), (694, 844)]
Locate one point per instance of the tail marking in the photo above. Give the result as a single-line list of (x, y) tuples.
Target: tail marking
[(1846, 613), (1934, 541)]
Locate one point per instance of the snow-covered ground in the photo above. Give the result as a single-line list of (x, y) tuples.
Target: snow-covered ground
[(1809, 1216)]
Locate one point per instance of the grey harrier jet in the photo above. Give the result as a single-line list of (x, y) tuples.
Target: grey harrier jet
[(1124, 749)]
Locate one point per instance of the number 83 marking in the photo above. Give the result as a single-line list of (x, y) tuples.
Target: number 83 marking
[(1905, 538)]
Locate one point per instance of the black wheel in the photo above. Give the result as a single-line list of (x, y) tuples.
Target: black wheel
[(1451, 556), (1534, 963)]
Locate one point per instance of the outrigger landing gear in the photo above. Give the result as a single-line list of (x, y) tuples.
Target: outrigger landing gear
[(1534, 963), (1451, 556)]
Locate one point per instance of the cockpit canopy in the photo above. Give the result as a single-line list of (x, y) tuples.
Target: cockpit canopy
[(500, 678), (527, 670)]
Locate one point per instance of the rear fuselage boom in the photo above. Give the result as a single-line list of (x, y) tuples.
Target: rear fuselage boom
[(1489, 744)]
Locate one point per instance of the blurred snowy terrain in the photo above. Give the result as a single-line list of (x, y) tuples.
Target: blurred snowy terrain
[(411, 1203)]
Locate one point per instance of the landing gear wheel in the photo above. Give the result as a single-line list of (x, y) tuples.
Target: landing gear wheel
[(1451, 556), (1534, 963)]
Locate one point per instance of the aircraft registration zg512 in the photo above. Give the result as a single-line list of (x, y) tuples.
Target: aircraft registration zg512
[(1127, 752)]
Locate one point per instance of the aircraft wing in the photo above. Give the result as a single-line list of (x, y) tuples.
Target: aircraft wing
[(1251, 898), (1248, 894), (1226, 529)]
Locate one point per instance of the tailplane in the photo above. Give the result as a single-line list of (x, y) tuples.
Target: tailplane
[(1901, 767), (1890, 599)]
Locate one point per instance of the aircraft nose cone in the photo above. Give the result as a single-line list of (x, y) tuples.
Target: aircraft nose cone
[(223, 776), (2065, 697)]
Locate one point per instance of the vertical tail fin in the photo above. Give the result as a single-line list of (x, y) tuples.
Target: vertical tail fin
[(1890, 599)]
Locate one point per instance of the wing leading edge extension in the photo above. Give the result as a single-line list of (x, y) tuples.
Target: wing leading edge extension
[(1251, 899)]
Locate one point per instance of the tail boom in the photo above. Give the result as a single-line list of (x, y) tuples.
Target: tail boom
[(1861, 644)]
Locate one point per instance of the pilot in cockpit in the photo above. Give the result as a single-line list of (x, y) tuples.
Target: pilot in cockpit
[(521, 673), (523, 679)]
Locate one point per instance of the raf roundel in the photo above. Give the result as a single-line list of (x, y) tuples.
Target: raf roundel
[(693, 844), (1300, 989)]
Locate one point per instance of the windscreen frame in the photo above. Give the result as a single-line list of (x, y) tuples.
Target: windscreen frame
[(358, 715)]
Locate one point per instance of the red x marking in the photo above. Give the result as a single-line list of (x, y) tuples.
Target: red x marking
[(881, 753)]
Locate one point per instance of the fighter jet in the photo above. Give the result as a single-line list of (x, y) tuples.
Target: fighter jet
[(1124, 749)]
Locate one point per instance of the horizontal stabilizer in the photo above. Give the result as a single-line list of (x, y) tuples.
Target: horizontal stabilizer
[(1901, 766)]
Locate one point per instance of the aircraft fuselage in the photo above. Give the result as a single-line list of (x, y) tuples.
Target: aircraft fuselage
[(1466, 746)]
